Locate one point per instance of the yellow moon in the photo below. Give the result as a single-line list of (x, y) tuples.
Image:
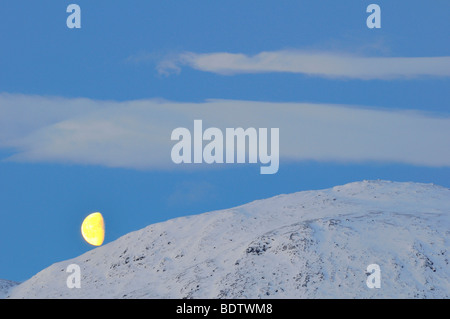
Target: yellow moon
[(93, 229)]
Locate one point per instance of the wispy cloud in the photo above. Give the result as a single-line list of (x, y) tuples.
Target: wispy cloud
[(136, 134), (321, 64)]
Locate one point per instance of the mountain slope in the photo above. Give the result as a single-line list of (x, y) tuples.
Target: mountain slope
[(314, 244), (6, 286)]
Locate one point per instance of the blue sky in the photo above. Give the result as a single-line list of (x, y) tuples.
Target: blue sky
[(66, 96)]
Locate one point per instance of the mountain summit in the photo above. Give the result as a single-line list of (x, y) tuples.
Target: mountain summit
[(311, 244)]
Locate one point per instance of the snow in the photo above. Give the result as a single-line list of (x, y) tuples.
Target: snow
[(312, 244), (6, 286)]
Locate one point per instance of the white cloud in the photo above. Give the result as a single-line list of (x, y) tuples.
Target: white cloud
[(321, 64), (136, 134)]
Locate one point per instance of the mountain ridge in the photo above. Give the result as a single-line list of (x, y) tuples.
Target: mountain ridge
[(310, 244)]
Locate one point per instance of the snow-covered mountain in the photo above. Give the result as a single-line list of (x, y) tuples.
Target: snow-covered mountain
[(312, 244), (5, 287)]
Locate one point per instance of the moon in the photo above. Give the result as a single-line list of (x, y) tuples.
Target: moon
[(93, 229)]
